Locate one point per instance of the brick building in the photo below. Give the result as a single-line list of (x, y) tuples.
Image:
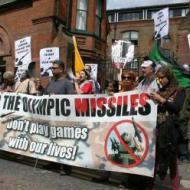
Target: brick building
[(52, 23), (135, 23), (183, 45)]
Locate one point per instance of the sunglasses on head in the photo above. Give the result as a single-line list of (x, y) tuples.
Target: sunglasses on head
[(126, 78)]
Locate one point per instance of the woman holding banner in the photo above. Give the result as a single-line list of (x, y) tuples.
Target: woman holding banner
[(128, 80), (170, 100)]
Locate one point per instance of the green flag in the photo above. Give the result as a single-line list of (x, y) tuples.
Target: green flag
[(158, 55)]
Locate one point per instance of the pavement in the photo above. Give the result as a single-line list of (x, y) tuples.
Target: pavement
[(184, 172)]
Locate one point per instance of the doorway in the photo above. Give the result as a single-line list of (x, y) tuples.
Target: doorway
[(2, 69)]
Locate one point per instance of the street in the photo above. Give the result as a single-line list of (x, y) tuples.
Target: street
[(25, 176), (16, 176)]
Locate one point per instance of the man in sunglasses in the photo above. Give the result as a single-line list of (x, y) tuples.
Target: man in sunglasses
[(60, 84), (149, 82)]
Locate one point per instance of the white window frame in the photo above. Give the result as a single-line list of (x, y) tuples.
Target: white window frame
[(82, 11)]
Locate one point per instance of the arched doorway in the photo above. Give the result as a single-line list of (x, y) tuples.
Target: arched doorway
[(5, 52), (2, 69)]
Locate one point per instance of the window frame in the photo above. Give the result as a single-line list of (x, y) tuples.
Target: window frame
[(131, 14), (78, 16), (133, 41), (98, 19)]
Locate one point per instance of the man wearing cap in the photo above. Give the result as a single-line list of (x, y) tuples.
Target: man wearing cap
[(149, 82)]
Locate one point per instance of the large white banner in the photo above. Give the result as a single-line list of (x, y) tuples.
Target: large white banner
[(114, 133), (47, 56), (161, 23), (22, 55)]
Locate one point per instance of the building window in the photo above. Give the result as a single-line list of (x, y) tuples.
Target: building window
[(130, 16), (150, 14), (131, 36), (81, 14), (98, 17), (111, 18), (166, 39), (184, 12), (133, 65), (178, 12)]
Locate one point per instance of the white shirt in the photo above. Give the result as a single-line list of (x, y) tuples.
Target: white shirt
[(148, 85)]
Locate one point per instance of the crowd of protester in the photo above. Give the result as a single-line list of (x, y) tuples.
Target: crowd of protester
[(171, 135), (173, 104)]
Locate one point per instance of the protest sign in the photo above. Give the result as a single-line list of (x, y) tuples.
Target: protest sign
[(161, 23), (94, 70), (22, 55), (122, 52), (47, 56)]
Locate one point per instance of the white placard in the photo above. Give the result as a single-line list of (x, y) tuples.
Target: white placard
[(47, 56), (94, 70), (161, 23), (22, 55), (122, 52)]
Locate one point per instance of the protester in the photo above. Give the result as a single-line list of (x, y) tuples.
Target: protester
[(39, 87), (170, 100), (149, 82), (184, 81), (8, 84), (128, 81), (96, 85), (60, 84), (26, 84), (183, 152), (112, 87), (83, 84)]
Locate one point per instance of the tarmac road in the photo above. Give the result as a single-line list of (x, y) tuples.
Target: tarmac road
[(16, 176), (21, 176)]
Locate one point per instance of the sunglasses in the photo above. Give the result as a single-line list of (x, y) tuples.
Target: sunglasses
[(53, 68), (161, 77), (126, 78)]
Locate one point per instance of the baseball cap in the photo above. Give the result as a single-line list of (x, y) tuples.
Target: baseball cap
[(147, 63)]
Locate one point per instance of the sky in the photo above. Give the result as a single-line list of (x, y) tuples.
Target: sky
[(118, 4)]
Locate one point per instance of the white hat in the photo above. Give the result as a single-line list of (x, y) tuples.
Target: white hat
[(147, 63)]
